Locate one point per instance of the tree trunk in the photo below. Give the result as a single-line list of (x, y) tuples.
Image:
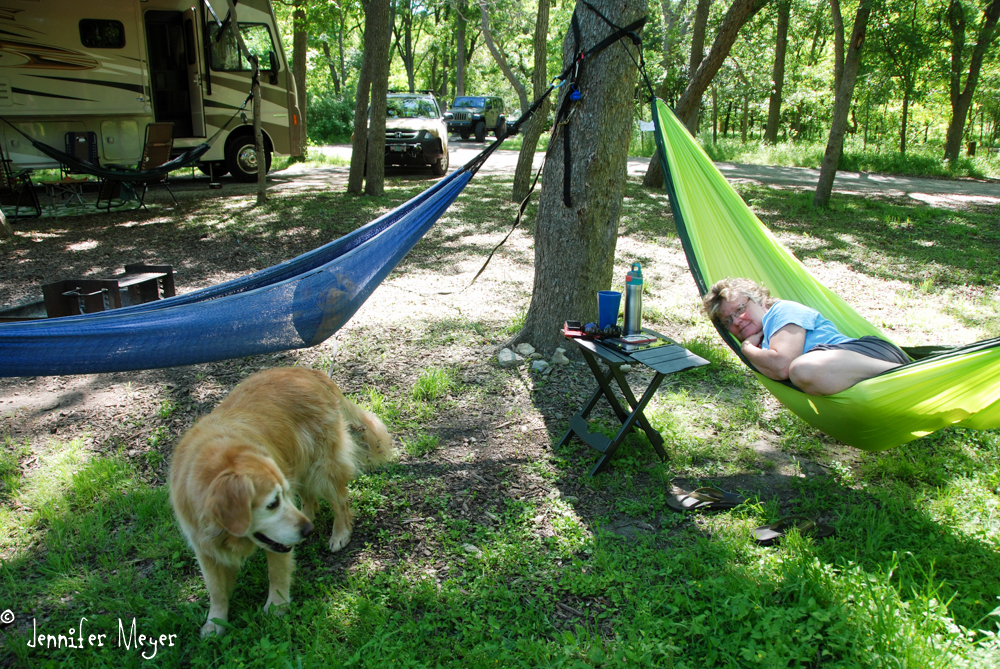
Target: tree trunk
[(739, 13), (460, 51), (258, 140), (575, 245), (908, 87), (6, 232), (838, 45), (842, 106), (332, 66), (377, 39), (299, 55), (961, 101), (537, 124), (359, 141), (697, 55), (501, 61), (778, 74), (715, 114)]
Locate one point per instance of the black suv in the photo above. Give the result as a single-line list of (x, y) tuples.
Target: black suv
[(477, 115)]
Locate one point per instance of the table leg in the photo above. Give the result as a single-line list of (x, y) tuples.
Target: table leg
[(633, 418), (654, 436)]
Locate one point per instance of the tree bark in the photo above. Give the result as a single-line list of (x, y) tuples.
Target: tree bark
[(501, 61), (575, 245), (537, 124), (6, 231), (460, 50), (359, 139), (332, 66), (697, 55), (778, 74), (838, 45), (739, 13), (377, 39), (961, 98), (258, 142), (300, 38), (842, 106), (906, 113)]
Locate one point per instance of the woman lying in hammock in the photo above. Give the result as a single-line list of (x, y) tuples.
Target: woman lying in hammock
[(788, 340)]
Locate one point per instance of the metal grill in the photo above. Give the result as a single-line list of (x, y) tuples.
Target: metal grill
[(401, 134)]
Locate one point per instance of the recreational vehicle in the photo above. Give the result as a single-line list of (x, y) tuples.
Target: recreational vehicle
[(100, 72)]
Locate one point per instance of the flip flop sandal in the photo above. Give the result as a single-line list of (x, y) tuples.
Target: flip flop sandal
[(703, 498), (766, 535)]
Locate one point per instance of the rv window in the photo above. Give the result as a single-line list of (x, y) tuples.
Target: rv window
[(225, 52), (102, 34)]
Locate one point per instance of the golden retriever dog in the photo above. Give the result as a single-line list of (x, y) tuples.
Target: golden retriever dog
[(281, 434)]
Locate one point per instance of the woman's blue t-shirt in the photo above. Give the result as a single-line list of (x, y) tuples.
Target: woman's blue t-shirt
[(819, 330)]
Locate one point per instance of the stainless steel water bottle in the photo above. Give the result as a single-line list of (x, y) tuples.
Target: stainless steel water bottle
[(633, 300)]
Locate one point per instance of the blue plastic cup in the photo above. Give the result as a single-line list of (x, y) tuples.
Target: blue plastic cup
[(608, 302)]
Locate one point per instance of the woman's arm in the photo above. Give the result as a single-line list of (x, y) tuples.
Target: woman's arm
[(785, 345)]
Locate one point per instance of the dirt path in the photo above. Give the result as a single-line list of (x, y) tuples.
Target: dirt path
[(936, 192)]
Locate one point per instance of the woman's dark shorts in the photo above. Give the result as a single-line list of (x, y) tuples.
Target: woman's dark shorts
[(873, 347)]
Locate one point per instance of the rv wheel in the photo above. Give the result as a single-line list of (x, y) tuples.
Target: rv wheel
[(241, 159)]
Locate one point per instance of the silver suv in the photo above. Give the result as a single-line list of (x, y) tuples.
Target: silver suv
[(477, 115), (415, 132)]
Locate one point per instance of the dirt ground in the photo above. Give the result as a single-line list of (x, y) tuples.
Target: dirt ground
[(505, 421)]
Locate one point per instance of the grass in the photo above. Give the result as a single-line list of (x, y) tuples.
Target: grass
[(919, 161), (585, 572)]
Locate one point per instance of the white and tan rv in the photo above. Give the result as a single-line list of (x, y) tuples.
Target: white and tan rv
[(102, 71)]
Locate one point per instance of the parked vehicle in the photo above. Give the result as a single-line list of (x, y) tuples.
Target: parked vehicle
[(415, 131), (477, 115), (104, 70)]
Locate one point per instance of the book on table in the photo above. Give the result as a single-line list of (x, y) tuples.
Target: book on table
[(636, 342)]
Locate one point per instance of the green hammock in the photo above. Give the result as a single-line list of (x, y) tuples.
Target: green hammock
[(723, 238)]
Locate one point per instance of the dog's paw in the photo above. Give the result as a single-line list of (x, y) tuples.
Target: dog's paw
[(210, 628), (338, 541), (276, 606)]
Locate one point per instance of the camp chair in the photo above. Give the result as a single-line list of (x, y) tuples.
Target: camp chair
[(155, 152), (16, 189)]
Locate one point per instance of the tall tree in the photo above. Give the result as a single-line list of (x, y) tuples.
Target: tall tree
[(460, 48), (903, 46), (300, 38), (359, 138), (575, 240), (961, 97), (537, 124), (739, 13), (368, 146), (778, 74), (842, 105), (377, 39), (408, 25), (697, 54)]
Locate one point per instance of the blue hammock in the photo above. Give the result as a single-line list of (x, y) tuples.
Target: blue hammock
[(295, 304)]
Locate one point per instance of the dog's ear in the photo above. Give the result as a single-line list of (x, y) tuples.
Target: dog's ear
[(230, 501)]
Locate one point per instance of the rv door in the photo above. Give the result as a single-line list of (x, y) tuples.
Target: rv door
[(194, 52)]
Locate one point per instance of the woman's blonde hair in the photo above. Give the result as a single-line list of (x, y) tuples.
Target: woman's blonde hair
[(732, 290)]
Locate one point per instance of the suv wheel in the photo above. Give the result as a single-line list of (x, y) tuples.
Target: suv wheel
[(464, 134), (501, 129), (481, 131), (440, 166)]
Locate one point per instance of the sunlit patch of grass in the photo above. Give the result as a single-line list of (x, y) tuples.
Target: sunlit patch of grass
[(432, 384)]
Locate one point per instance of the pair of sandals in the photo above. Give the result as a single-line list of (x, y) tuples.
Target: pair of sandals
[(715, 499)]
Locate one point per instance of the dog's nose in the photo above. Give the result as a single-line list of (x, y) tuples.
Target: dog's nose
[(306, 530)]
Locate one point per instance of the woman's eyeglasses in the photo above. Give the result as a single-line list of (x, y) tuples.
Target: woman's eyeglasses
[(737, 312)]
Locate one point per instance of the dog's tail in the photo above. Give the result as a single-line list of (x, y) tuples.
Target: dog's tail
[(370, 434)]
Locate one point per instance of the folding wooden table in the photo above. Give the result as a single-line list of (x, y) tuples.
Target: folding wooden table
[(664, 359)]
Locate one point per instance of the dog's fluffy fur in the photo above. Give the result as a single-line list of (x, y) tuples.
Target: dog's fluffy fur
[(234, 476)]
